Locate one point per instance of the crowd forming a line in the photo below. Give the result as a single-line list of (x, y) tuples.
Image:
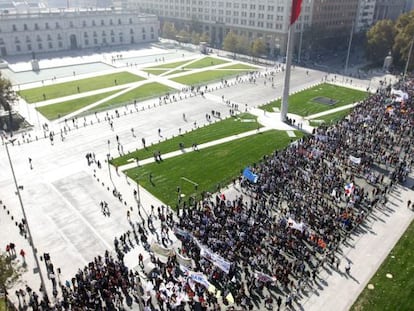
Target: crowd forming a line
[(277, 234)]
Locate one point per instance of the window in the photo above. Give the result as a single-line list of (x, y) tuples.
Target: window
[(40, 46), (49, 37), (47, 25), (28, 39), (131, 31), (50, 45), (112, 32), (119, 22), (130, 20), (38, 38), (94, 34), (59, 36), (93, 23), (86, 42), (60, 44), (83, 23), (29, 47), (102, 22), (103, 33), (25, 27), (111, 22), (143, 30), (71, 24), (152, 29), (16, 40), (95, 41), (85, 34), (36, 26), (57, 25), (143, 36), (14, 28), (18, 48), (152, 36), (112, 39)]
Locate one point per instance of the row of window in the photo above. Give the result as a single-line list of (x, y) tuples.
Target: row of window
[(220, 4), (85, 34), (86, 42), (71, 24)]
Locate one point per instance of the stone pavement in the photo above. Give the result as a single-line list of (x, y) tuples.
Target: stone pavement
[(61, 194)]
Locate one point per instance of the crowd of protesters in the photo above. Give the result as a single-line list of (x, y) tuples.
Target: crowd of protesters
[(276, 234)]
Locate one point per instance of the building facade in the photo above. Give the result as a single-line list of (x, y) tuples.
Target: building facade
[(389, 9), (65, 29), (267, 19)]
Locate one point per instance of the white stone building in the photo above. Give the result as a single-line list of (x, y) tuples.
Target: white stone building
[(72, 29)]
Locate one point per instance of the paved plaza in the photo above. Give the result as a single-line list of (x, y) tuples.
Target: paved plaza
[(61, 192)]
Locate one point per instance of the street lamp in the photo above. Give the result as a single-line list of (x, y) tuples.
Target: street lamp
[(408, 58), (31, 242)]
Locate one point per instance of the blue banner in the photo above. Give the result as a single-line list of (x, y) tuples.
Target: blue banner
[(250, 175)]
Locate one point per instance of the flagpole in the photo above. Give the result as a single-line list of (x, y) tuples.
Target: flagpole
[(285, 94)]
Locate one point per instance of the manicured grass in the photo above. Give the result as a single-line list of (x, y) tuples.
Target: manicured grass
[(58, 110), (178, 71), (301, 103), (2, 304), (206, 76), (207, 167), (70, 88), (156, 72), (394, 293), (334, 117), (140, 93), (206, 62), (227, 127), (241, 66), (169, 65)]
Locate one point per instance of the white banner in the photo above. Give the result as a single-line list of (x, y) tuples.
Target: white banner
[(355, 160), (295, 225), (183, 260)]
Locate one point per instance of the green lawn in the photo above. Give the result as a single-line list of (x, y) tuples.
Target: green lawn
[(301, 103), (394, 293), (207, 167), (169, 65), (206, 76), (206, 62), (227, 127), (156, 72), (70, 88), (2, 304), (241, 66), (332, 117), (140, 93), (58, 110)]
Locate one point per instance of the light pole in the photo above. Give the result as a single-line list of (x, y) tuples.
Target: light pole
[(31, 242), (408, 58), (349, 49)]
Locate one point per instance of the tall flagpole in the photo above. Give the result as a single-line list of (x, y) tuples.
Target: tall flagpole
[(285, 94), (294, 15)]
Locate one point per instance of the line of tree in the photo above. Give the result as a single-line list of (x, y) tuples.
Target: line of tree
[(396, 38), (241, 44), (7, 98)]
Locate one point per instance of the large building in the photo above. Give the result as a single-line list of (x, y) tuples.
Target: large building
[(389, 9), (71, 29), (268, 19)]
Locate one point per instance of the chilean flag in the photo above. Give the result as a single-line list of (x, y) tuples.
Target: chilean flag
[(349, 188), (296, 7)]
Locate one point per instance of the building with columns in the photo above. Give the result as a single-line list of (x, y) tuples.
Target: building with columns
[(49, 30)]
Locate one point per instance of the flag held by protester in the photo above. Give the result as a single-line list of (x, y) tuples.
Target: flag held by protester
[(349, 188), (250, 176)]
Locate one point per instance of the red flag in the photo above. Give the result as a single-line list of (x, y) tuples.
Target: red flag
[(296, 7)]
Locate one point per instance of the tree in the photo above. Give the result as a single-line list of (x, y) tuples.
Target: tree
[(169, 31), (7, 272), (404, 28), (230, 42), (205, 37), (243, 45), (380, 40), (258, 47), (7, 97), (195, 38)]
